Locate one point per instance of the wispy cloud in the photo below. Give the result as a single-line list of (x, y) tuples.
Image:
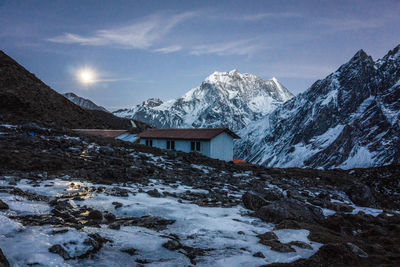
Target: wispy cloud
[(346, 24), (262, 16), (241, 47), (168, 49), (139, 35)]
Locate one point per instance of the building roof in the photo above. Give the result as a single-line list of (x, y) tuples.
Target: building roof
[(101, 132), (188, 134)]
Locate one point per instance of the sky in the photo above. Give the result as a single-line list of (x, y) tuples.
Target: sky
[(129, 51)]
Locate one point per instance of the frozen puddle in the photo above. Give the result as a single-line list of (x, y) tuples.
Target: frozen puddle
[(227, 235)]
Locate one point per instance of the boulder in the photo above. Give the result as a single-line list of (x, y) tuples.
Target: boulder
[(253, 201), (289, 210), (272, 195), (361, 195)]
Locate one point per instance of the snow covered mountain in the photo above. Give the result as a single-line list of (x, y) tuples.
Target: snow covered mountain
[(224, 99), (83, 102), (349, 119)]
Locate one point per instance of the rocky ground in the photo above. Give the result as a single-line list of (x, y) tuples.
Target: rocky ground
[(69, 199)]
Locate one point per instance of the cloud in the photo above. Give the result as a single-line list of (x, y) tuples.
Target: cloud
[(345, 24), (241, 47), (261, 16), (139, 35), (168, 49)]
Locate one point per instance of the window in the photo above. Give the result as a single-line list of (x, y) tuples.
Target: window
[(171, 144), (149, 142), (195, 146)]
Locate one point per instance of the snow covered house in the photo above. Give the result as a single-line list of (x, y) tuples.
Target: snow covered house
[(212, 142)]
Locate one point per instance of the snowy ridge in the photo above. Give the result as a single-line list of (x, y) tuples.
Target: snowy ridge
[(224, 99), (350, 119), (83, 102)]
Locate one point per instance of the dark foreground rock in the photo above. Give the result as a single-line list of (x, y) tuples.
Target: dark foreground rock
[(289, 210), (3, 260), (3, 205), (253, 201)]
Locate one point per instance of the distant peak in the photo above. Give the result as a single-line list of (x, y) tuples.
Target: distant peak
[(70, 94), (274, 79), (360, 55), (152, 102), (234, 72)]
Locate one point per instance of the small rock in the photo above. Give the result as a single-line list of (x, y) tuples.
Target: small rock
[(154, 193), (106, 150), (95, 215), (301, 244), (110, 217), (117, 205), (356, 250), (268, 236), (58, 249), (3, 205), (56, 232), (258, 255), (130, 251), (172, 245)]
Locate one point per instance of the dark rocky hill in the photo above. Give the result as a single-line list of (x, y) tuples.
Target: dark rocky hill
[(25, 98)]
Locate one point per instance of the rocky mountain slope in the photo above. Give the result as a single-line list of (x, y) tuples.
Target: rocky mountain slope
[(224, 99), (349, 119), (74, 200), (25, 98), (83, 102)]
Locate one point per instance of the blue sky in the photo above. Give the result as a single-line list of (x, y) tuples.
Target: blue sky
[(143, 49)]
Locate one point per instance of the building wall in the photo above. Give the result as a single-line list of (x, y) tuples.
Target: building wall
[(221, 147), (181, 145)]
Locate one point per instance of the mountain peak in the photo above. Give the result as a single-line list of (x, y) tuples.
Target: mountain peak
[(361, 56), (234, 72), (152, 102), (224, 99), (275, 80)]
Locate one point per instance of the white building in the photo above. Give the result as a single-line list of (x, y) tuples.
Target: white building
[(214, 143)]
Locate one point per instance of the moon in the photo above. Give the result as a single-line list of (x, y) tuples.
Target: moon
[(86, 76)]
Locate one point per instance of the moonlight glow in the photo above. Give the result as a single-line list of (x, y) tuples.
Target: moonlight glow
[(86, 76)]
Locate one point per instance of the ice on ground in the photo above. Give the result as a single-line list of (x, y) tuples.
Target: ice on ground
[(228, 237), (203, 168), (21, 206)]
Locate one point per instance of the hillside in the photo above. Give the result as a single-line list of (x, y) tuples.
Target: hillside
[(25, 98)]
